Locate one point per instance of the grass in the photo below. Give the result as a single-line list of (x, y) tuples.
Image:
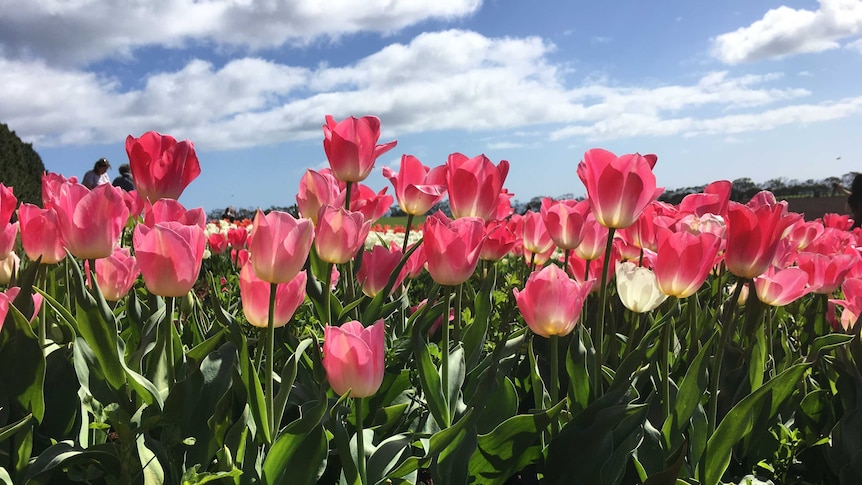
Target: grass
[(400, 221)]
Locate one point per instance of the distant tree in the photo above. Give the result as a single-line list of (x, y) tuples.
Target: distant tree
[(743, 190), (20, 167)]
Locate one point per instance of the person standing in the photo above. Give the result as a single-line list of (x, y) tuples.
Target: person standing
[(125, 180), (99, 174)]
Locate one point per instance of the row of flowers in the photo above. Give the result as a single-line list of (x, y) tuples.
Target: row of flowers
[(360, 284)]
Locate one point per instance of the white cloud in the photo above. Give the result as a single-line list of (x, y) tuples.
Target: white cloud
[(454, 79), (784, 31), (81, 31), (856, 45)]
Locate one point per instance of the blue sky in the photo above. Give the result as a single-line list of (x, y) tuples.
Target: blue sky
[(719, 90)]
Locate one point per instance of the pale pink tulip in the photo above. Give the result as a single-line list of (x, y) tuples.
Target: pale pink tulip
[(317, 189), (255, 298), (117, 273), (169, 255), (354, 358), (684, 260), (377, 266), (417, 187), (551, 302), (351, 146), (90, 221), (40, 234), (474, 185), (339, 234), (279, 245), (779, 287), (452, 247)]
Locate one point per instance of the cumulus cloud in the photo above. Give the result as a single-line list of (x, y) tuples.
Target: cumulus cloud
[(856, 45), (77, 32), (785, 31), (449, 80)]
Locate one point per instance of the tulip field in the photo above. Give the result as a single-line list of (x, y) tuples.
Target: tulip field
[(610, 340)]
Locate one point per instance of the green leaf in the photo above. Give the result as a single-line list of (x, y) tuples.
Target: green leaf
[(578, 363), (22, 366), (429, 379), (8, 431), (439, 441), (64, 454), (254, 392), (288, 377), (388, 455), (828, 342), (511, 446), (192, 477), (690, 393), (669, 476), (475, 334), (742, 418), (541, 398), (296, 458)]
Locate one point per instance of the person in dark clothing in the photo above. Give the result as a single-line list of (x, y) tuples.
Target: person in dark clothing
[(854, 201), (125, 180)]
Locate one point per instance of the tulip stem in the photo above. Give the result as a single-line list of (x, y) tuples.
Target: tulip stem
[(327, 294), (360, 441), (407, 234), (566, 255), (665, 354), (554, 343), (444, 357), (456, 326), (168, 335), (600, 327), (727, 328), (42, 278), (270, 357), (347, 186)]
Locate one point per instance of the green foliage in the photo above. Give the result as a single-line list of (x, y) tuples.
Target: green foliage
[(20, 167)]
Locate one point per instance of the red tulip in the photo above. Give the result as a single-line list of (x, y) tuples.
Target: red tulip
[(377, 266), (504, 207), (779, 287), (838, 221), (237, 237), (217, 242), (169, 255), (339, 234), (417, 187), (713, 200), (116, 274), (317, 189), (551, 302), (90, 220), (279, 245), (684, 260), (452, 247), (752, 238), (619, 188), (354, 358), (161, 166), (255, 298), (474, 185), (852, 302), (351, 146), (564, 220)]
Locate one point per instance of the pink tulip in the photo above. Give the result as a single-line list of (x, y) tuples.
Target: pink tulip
[(852, 302), (713, 200), (684, 260), (417, 187), (116, 274), (169, 210), (619, 188), (537, 239), (504, 207), (838, 221), (498, 241), (239, 257), (51, 183), (317, 189), (255, 298), (339, 234), (353, 357), (474, 185), (8, 235), (40, 234), (551, 302), (9, 296), (351, 146), (415, 262), (752, 238), (779, 287), (169, 255), (826, 272), (8, 203), (642, 233), (161, 166), (377, 266), (594, 239), (564, 220), (90, 221), (372, 205), (803, 233), (279, 245), (452, 247)]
